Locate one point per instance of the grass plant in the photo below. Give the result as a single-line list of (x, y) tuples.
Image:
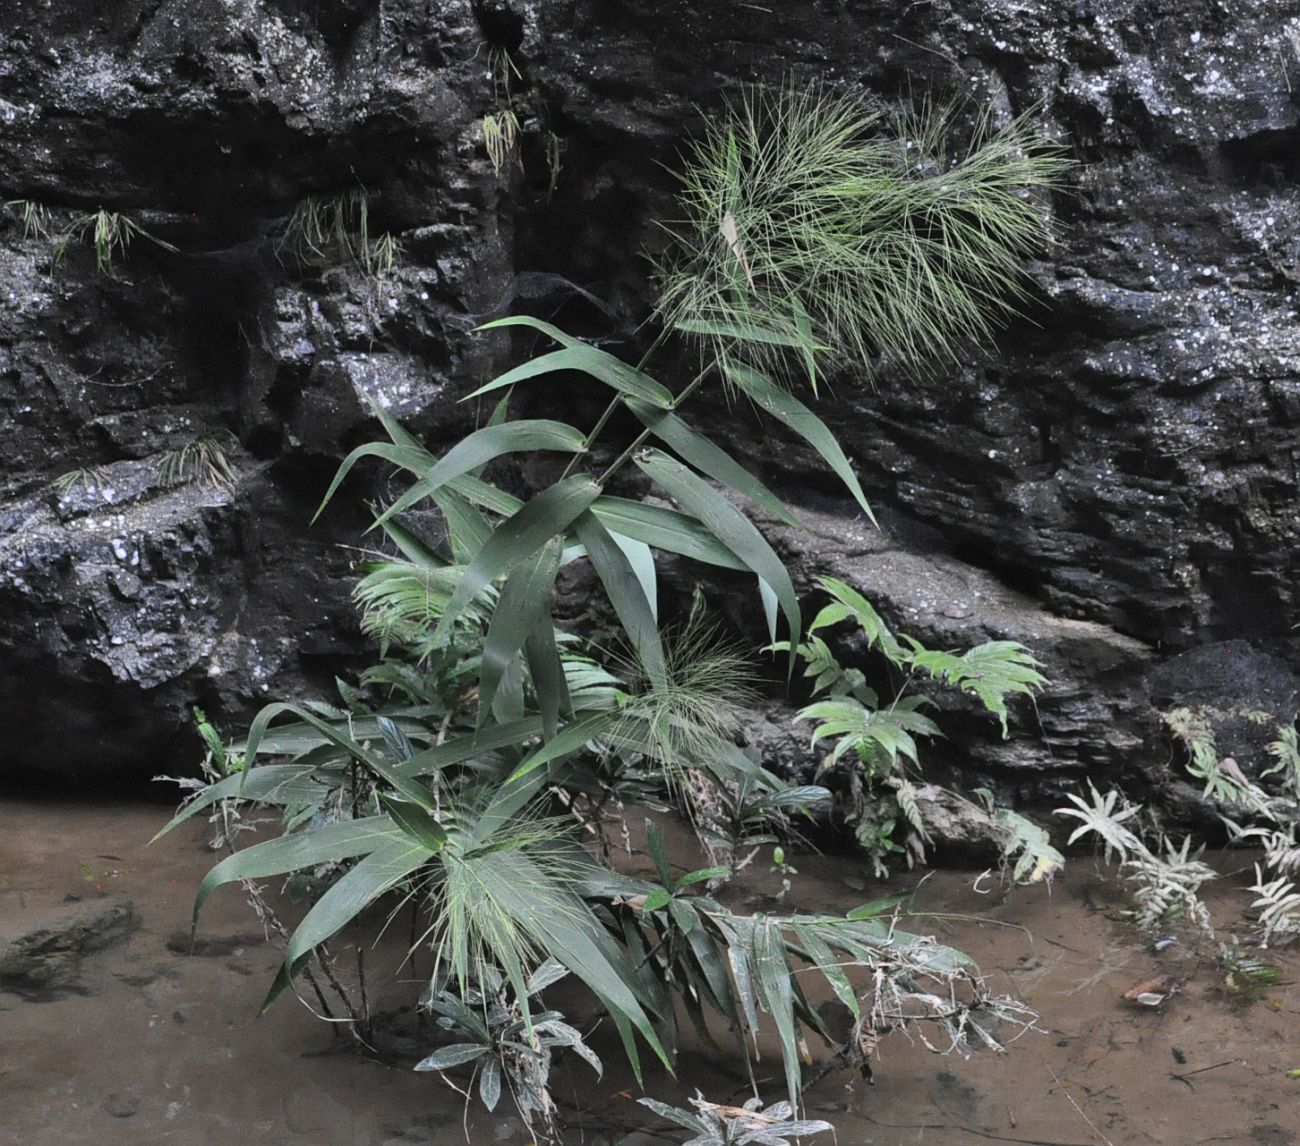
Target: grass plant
[(821, 220)]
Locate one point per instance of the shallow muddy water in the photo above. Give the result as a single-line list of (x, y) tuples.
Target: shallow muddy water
[(162, 1046)]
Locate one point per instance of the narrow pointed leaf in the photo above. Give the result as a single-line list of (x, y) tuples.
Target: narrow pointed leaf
[(729, 525), (524, 599), (445, 1058), (600, 365), (666, 529), (299, 850), (465, 748), (550, 513), (547, 670), (695, 449), (642, 559), (418, 824), (786, 408), (269, 784), (625, 593), (375, 875), (472, 453), (414, 458)]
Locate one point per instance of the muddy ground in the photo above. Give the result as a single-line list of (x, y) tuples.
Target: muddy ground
[(144, 1042)]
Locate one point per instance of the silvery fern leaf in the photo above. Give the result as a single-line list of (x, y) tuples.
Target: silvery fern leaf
[(1105, 818)]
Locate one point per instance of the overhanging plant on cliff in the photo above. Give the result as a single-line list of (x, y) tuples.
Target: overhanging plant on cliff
[(448, 793)]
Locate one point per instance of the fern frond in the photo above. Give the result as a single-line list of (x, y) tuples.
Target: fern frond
[(1105, 818), (991, 672), (1029, 846)]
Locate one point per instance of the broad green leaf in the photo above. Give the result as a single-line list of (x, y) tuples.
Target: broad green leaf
[(465, 748), (655, 900), (549, 514), (409, 457), (695, 449), (600, 365), (485, 494), (882, 906), (665, 529), (642, 559), (587, 360), (524, 600), (268, 784), (729, 525), (472, 453), (777, 996), (467, 529), (285, 854), (547, 670), (445, 1058), (418, 824), (569, 741), (625, 593), (404, 784), (658, 847), (381, 871), (489, 1083), (742, 331), (786, 408)]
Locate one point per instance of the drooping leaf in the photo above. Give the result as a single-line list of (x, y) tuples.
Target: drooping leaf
[(665, 529), (524, 600), (549, 514), (473, 452), (786, 408), (380, 871), (695, 449), (625, 592), (728, 524)]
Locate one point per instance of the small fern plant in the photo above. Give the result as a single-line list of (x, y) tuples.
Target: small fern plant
[(879, 738)]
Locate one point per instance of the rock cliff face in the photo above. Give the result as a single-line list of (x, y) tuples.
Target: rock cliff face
[(1114, 482)]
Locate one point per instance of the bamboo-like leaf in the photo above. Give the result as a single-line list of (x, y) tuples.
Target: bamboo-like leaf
[(777, 995), (550, 513), (569, 741), (625, 593), (524, 599), (418, 824), (404, 784), (600, 365), (729, 525), (485, 494), (658, 846), (665, 529), (642, 560), (409, 457), (475, 451), (381, 871), (786, 408), (467, 529), (464, 748), (547, 670), (695, 449), (269, 784), (299, 850)]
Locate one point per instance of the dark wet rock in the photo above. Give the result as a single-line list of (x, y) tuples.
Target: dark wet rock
[(122, 1104), (1114, 483), (41, 953), (210, 946)]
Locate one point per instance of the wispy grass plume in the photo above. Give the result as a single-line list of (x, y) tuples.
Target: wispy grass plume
[(820, 224)]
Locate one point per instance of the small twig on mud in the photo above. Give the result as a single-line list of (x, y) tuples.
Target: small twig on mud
[(1079, 1109), (1201, 1070)]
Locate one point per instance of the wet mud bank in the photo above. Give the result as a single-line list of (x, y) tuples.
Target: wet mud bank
[(134, 1037)]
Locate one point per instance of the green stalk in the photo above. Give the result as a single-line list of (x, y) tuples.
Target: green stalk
[(614, 404), (639, 440)]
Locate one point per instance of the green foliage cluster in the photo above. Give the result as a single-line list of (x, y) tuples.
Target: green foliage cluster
[(110, 233), (451, 779), (325, 229), (832, 227), (880, 737)]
